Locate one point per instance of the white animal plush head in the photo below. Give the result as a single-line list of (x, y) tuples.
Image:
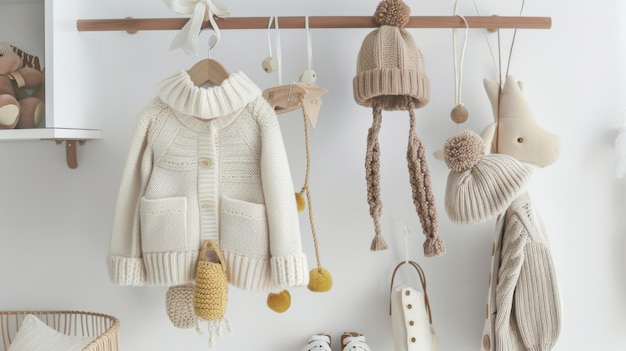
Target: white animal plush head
[(515, 131)]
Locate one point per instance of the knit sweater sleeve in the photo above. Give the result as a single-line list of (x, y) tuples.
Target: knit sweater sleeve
[(288, 262), (125, 263), (528, 311)]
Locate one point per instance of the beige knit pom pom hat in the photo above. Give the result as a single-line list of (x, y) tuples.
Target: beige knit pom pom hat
[(480, 186), (391, 76)]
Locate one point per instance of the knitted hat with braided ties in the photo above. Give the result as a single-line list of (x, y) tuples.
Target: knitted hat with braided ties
[(480, 186), (391, 76)]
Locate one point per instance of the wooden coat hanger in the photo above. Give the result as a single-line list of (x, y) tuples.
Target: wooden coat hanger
[(208, 71)]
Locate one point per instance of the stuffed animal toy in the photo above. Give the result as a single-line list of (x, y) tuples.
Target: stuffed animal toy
[(488, 178), (514, 131), (21, 93)]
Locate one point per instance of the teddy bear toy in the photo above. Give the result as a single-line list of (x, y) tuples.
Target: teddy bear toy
[(21, 93)]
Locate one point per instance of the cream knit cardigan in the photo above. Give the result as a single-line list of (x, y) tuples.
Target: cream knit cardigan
[(523, 309), (207, 163)]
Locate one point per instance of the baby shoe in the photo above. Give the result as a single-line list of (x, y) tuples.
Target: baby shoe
[(318, 342), (352, 341)]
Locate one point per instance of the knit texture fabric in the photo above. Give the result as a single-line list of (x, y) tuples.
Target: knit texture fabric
[(523, 309), (207, 164), (211, 289), (480, 187), (391, 76), (179, 306)]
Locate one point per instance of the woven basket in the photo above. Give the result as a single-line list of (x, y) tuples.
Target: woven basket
[(103, 328)]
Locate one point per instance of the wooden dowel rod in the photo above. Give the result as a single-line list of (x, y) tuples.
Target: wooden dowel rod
[(291, 22)]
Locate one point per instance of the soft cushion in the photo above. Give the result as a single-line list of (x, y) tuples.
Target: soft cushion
[(35, 335)]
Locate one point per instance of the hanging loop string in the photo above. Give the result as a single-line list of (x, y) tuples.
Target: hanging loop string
[(459, 113), (485, 34), (271, 63), (278, 52), (269, 36), (508, 64), (305, 188), (187, 38), (308, 76), (309, 46), (501, 85), (458, 66)]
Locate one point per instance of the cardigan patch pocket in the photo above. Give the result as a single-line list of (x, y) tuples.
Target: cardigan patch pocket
[(243, 227), (163, 224)]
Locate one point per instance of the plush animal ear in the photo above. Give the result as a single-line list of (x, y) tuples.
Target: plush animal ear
[(488, 135), (438, 154), (493, 90)]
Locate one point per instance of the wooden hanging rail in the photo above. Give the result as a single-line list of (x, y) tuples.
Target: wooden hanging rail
[(132, 25)]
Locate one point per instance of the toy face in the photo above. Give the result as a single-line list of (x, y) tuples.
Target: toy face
[(527, 141)]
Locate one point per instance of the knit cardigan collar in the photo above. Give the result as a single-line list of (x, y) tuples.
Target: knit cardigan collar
[(180, 93)]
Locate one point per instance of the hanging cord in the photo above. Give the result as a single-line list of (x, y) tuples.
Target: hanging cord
[(269, 35), (271, 63), (406, 244), (305, 188), (485, 34), (458, 66), (501, 80), (308, 76), (278, 52), (459, 113), (309, 45)]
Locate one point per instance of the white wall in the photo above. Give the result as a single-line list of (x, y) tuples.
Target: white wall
[(55, 222)]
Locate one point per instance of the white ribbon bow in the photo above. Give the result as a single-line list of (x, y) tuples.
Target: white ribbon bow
[(187, 38)]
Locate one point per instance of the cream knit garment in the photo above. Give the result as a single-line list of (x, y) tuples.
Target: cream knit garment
[(207, 163), (523, 309)]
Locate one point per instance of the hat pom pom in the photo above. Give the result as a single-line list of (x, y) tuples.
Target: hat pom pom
[(463, 151), (392, 13)]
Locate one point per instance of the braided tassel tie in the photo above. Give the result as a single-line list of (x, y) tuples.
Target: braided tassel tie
[(423, 198), (320, 279), (215, 329), (372, 176)]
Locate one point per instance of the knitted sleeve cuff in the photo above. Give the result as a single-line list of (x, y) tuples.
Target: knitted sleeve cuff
[(126, 271), (289, 270)]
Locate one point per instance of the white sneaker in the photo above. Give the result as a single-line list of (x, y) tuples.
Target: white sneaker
[(351, 341), (318, 342)]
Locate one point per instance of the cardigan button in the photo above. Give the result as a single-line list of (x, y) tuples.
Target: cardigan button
[(205, 162), (411, 323)]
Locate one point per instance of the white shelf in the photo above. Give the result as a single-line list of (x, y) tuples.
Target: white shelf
[(70, 116), (49, 133)]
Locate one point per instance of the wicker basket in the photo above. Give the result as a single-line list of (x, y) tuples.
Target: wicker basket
[(103, 328)]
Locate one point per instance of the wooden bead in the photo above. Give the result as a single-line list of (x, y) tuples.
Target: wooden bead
[(459, 114)]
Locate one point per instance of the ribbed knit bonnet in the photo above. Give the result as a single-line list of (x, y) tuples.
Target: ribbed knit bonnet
[(480, 186), (391, 76)]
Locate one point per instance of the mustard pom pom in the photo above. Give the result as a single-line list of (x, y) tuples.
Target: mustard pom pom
[(279, 302), (320, 280), (300, 202), (463, 151), (392, 13)]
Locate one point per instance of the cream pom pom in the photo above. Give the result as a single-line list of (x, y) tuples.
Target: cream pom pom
[(463, 151)]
